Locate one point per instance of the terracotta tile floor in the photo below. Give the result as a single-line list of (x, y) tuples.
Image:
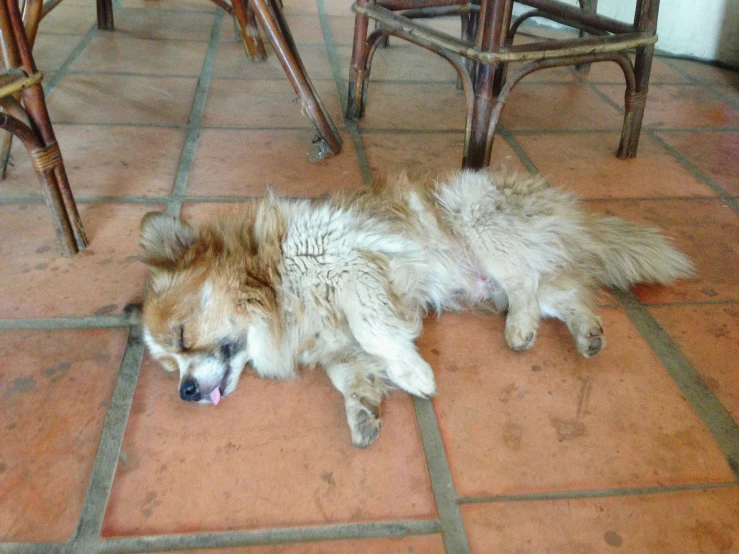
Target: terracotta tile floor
[(636, 450)]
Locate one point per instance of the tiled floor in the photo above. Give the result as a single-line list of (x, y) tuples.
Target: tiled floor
[(636, 450)]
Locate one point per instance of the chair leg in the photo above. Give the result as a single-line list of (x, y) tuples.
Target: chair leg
[(490, 78), (49, 166), (469, 35), (588, 6), (270, 17), (358, 76), (6, 144), (253, 44), (105, 15), (635, 103), (645, 19)]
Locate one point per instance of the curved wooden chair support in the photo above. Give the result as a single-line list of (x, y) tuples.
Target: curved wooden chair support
[(267, 14), (481, 64), (24, 115)]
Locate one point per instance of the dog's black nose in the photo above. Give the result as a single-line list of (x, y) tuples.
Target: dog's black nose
[(189, 391)]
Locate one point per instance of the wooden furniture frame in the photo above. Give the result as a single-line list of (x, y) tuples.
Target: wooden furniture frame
[(268, 15), (25, 116), (481, 56), (249, 14)]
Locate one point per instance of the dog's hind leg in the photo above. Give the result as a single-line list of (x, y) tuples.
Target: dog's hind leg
[(572, 302), (522, 320), (359, 377)]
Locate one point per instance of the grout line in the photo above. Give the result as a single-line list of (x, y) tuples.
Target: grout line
[(450, 517), (725, 197), (342, 91), (100, 322), (33, 547), (728, 302), (594, 493), (132, 74), (63, 69), (513, 143), (713, 414), (193, 127), (106, 459), (270, 536)]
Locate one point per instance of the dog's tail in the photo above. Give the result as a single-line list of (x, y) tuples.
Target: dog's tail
[(630, 254)]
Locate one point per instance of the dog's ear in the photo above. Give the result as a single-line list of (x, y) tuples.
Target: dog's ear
[(164, 240)]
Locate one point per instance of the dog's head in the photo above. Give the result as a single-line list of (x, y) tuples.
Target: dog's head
[(210, 305)]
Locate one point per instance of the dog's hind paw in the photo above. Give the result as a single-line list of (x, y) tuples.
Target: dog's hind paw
[(519, 340), (591, 341), (364, 422)]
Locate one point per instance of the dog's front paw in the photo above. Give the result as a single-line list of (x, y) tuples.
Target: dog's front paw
[(415, 377), (364, 421)]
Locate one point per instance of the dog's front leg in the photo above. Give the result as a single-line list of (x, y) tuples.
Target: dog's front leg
[(359, 377)]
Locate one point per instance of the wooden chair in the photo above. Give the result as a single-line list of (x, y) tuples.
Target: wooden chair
[(250, 14), (24, 115), (481, 63)]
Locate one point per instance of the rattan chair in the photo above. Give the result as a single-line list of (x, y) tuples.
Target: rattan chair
[(25, 116), (481, 63)]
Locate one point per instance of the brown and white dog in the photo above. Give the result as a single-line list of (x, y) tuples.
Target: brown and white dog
[(343, 283)]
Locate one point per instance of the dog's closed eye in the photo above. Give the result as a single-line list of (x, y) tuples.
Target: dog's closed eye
[(181, 339)]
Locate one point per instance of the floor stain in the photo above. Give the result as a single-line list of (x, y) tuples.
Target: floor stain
[(106, 310), (512, 436), (612, 538), (21, 385), (568, 429)]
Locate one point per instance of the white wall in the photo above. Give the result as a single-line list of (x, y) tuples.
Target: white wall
[(705, 29)]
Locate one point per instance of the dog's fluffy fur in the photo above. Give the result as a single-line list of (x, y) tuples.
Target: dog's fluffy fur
[(343, 283)]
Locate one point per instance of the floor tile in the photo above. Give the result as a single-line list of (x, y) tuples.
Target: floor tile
[(342, 29), (402, 63), (590, 168), (231, 61), (51, 51), (98, 281), (707, 335), (550, 420), (69, 20), (426, 544), (558, 107), (710, 152), (332, 7), (243, 465), (706, 230), (418, 152), (679, 107), (55, 386), (231, 162), (164, 24), (271, 104), (661, 73), (122, 99), (394, 106), (706, 73), (699, 521), (104, 160), (122, 54)]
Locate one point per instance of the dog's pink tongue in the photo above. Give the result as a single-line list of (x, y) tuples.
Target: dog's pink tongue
[(215, 396)]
